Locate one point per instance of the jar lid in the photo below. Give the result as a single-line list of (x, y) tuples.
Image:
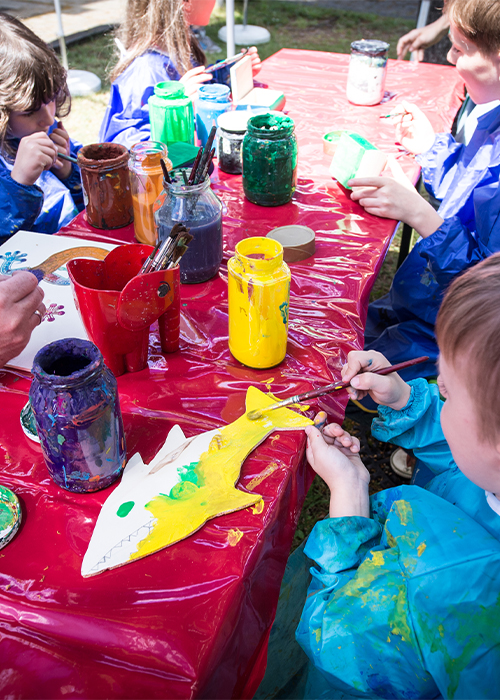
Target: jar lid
[(271, 123), (235, 122), (299, 242), (170, 90), (10, 515), (214, 92), (370, 47)]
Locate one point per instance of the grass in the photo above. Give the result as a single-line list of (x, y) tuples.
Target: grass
[(292, 25)]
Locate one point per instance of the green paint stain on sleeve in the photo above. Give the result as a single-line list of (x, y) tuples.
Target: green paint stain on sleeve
[(60, 439), (125, 509)]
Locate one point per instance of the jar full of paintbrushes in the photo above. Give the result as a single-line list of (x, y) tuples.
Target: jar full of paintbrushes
[(199, 209), (146, 184)]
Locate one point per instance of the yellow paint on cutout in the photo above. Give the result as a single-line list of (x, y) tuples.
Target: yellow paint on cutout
[(421, 548), (233, 537), (218, 471)]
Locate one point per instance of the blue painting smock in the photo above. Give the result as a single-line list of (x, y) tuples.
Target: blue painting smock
[(466, 179), (45, 206), (126, 120), (406, 603)]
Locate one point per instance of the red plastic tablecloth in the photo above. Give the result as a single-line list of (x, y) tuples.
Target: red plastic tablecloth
[(193, 620)]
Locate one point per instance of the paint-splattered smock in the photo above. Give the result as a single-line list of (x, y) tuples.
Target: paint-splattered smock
[(406, 604), (465, 178), (45, 206)]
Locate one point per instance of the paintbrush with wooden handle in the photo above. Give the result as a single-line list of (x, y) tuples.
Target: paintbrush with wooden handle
[(329, 388)]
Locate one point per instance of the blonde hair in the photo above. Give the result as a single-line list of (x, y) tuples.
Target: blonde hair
[(157, 24), (30, 75)]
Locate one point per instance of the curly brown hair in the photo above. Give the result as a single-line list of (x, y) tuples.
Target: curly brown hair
[(30, 75), (157, 24)]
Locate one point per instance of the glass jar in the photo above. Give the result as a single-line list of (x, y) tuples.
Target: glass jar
[(106, 185), (367, 70), (258, 299), (78, 419), (171, 114), (200, 210), (211, 102), (232, 127), (146, 184), (269, 156)]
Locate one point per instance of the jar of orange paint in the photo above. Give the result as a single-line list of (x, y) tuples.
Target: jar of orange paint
[(146, 184), (258, 297)]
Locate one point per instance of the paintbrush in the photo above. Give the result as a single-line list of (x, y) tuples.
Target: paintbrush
[(195, 166), (329, 388), (205, 158), (65, 157), (226, 62)]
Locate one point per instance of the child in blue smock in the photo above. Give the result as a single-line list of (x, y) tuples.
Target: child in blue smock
[(464, 178), (158, 46), (405, 594), (38, 190)]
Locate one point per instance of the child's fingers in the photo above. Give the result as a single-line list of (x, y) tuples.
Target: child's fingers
[(320, 420)]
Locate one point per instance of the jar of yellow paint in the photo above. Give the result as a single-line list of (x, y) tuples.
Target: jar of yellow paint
[(258, 295)]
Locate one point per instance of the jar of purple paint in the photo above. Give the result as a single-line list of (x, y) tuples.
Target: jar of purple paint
[(77, 413), (198, 208)]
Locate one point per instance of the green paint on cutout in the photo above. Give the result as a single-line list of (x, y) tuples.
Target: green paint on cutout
[(125, 509)]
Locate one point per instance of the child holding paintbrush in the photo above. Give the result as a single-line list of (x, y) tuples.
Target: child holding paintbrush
[(158, 46), (466, 228), (38, 190), (405, 591)]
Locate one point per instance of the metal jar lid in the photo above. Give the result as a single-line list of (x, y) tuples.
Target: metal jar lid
[(370, 47)]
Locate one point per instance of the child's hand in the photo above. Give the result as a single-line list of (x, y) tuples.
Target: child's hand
[(333, 454), (60, 137), (21, 310), (256, 64), (383, 196), (413, 130), (35, 154), (389, 390), (193, 78)]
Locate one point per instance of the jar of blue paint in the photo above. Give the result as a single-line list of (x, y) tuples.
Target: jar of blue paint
[(211, 101), (75, 403)]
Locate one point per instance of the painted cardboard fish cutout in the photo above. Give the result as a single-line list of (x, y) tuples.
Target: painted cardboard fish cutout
[(189, 481)]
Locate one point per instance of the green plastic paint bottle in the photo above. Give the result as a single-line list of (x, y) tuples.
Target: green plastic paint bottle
[(171, 114), (269, 155)]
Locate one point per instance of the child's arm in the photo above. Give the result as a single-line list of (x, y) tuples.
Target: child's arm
[(383, 196), (333, 454)]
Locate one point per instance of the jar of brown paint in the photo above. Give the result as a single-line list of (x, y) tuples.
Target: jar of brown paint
[(106, 185)]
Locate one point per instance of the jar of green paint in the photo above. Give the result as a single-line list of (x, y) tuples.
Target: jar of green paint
[(269, 155)]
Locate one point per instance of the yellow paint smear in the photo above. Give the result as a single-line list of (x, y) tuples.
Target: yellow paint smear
[(258, 507), (259, 479), (233, 537), (218, 470)]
